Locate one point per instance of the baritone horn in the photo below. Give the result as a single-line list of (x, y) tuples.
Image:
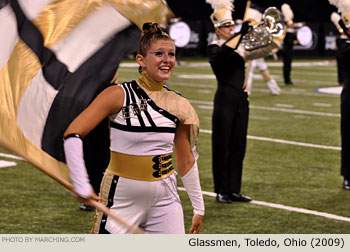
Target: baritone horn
[(262, 34)]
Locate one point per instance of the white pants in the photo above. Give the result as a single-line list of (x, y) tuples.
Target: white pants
[(262, 66), (152, 205)]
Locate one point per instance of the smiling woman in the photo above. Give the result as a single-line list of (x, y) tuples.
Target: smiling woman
[(159, 61), (147, 122)]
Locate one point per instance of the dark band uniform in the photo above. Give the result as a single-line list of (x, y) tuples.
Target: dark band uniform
[(345, 114), (287, 55), (230, 118)]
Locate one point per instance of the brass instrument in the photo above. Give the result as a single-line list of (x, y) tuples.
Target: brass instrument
[(262, 34)]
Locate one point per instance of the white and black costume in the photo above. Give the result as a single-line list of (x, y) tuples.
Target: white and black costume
[(140, 182)]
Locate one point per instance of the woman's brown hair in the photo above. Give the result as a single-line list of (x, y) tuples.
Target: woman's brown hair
[(150, 31)]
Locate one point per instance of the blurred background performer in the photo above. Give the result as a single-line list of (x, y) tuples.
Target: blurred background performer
[(344, 9), (254, 15), (288, 43), (231, 108), (341, 39), (67, 53)]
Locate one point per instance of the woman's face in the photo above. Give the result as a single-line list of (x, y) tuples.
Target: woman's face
[(159, 61)]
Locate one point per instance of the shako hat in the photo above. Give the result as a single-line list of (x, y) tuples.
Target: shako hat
[(222, 15)]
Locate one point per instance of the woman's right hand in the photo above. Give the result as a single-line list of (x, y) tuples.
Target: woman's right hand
[(93, 196)]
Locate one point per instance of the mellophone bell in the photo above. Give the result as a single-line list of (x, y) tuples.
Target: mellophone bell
[(261, 34)]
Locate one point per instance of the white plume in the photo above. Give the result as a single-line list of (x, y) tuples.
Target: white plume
[(219, 4), (287, 12), (342, 5), (335, 17)]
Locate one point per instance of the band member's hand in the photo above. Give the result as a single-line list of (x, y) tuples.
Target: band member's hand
[(245, 27), (196, 224), (93, 197)]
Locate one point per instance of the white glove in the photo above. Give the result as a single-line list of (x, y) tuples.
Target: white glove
[(73, 149)]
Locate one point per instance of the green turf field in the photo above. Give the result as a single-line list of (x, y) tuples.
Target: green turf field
[(292, 160)]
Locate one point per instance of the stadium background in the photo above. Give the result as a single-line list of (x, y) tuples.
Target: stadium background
[(316, 14)]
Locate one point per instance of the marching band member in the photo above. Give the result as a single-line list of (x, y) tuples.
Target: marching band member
[(341, 39), (288, 43), (147, 121), (344, 9), (265, 73), (231, 108)]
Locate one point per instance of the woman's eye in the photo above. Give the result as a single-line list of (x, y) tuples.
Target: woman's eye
[(171, 54), (158, 53)]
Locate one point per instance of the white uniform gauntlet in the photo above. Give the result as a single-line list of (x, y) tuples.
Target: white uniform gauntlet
[(73, 149), (193, 189)]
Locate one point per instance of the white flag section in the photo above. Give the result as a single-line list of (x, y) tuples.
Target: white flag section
[(8, 27)]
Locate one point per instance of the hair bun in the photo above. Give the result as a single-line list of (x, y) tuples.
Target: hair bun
[(151, 27)]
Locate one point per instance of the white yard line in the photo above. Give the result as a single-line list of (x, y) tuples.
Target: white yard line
[(4, 164), (288, 208), (318, 146), (327, 105), (10, 156), (197, 76), (209, 106), (284, 105), (296, 111), (275, 140), (294, 91)]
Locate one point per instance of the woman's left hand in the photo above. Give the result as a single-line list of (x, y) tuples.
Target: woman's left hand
[(196, 224)]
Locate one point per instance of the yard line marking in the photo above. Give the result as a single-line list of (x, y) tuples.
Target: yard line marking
[(296, 111), (10, 156), (203, 91), (288, 208), (181, 84), (275, 140), (303, 64), (293, 91), (260, 118), (322, 105), (284, 105), (301, 210), (197, 76), (268, 139), (4, 163)]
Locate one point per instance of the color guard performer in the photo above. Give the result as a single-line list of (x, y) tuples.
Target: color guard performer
[(147, 121)]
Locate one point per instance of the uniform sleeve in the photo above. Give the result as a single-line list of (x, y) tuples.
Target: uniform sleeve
[(188, 116)]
